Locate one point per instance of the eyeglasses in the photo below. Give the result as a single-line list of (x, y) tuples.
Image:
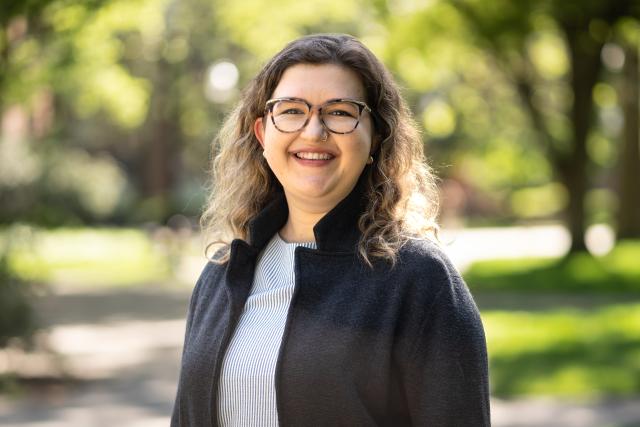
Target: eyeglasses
[(337, 116)]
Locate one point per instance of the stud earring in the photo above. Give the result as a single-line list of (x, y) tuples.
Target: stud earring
[(370, 160)]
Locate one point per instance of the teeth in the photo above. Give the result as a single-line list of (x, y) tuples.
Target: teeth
[(314, 156)]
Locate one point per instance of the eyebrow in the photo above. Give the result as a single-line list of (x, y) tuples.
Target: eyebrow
[(295, 98)]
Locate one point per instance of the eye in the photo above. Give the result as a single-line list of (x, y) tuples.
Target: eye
[(342, 113), (341, 109), (289, 108), (291, 111)]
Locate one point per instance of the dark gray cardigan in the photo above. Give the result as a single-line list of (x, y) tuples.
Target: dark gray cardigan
[(361, 347)]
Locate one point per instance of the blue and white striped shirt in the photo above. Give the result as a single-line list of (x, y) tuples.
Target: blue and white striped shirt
[(246, 391)]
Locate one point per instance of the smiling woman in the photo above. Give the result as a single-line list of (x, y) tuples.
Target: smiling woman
[(328, 302)]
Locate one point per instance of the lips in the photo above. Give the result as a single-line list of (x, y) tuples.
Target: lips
[(313, 156)]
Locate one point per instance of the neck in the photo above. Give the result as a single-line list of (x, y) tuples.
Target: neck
[(300, 223)]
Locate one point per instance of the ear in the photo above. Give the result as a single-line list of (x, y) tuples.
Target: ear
[(258, 130)]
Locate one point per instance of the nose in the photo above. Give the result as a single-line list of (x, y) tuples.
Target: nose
[(314, 130)]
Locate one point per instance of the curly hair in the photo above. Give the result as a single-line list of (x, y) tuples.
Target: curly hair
[(401, 189)]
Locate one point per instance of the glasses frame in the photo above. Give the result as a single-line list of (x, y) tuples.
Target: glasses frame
[(362, 106)]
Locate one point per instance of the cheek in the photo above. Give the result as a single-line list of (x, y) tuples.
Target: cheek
[(271, 155), (362, 147), (275, 147)]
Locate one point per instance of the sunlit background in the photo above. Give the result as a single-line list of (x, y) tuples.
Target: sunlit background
[(530, 116)]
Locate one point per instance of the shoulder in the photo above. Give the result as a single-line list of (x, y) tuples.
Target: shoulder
[(422, 248), (209, 276), (215, 263), (426, 259), (430, 278), (439, 300), (211, 269)]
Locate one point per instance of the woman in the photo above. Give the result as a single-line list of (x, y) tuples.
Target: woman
[(328, 307)]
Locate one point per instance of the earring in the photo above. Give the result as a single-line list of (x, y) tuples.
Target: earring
[(370, 160)]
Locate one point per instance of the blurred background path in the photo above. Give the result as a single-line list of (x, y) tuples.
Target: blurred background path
[(117, 351)]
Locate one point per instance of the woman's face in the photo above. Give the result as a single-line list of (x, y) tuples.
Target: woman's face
[(317, 181)]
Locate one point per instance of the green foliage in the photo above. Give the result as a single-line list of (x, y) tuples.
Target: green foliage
[(16, 314), (63, 186), (16, 317), (264, 29), (95, 65), (618, 271), (470, 108), (540, 201), (95, 77), (125, 80), (576, 353)]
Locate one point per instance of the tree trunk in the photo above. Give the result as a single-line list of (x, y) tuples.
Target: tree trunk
[(161, 159), (160, 156), (584, 53), (629, 178)]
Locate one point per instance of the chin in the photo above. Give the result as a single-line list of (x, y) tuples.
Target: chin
[(315, 187), (315, 195)]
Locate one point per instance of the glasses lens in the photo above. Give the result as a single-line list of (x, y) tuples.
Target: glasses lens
[(290, 116), (341, 117)]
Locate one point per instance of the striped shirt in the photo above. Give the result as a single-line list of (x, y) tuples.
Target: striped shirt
[(246, 391)]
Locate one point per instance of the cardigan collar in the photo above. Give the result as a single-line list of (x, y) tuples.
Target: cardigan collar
[(337, 231)]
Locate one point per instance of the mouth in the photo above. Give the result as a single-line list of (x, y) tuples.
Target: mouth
[(304, 155)]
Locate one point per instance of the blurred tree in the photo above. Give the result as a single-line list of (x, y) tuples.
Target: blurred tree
[(585, 27), (14, 16), (16, 314), (514, 35), (17, 318), (629, 175), (122, 86), (39, 180), (122, 97), (476, 134), (263, 29)]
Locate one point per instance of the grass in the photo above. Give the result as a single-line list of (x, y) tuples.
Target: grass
[(618, 271), (571, 353), (565, 327), (87, 257)]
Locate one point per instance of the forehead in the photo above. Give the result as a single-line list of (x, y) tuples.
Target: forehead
[(318, 83)]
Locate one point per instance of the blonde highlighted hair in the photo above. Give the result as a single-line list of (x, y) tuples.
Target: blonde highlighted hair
[(401, 190)]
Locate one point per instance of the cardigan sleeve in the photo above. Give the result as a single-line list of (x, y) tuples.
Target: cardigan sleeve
[(446, 369), (175, 417)]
